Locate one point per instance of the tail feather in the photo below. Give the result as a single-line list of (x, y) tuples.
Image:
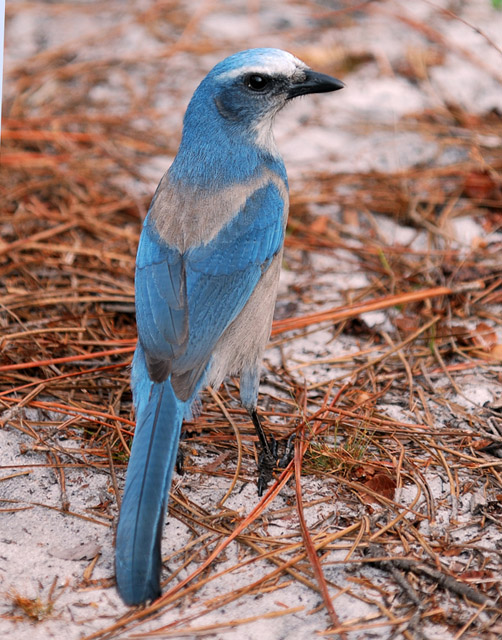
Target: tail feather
[(153, 455)]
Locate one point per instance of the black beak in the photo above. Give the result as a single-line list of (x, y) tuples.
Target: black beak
[(314, 83)]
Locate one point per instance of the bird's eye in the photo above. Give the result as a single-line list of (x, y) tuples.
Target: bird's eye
[(257, 82)]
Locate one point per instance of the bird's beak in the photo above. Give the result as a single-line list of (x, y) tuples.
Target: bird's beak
[(314, 82)]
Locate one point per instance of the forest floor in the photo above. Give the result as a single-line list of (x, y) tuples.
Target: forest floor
[(386, 352)]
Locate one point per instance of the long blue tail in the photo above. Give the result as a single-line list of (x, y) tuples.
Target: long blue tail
[(159, 414)]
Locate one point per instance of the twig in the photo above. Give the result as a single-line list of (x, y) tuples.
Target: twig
[(444, 580)]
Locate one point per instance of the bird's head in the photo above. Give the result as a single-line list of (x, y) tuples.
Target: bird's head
[(250, 87)]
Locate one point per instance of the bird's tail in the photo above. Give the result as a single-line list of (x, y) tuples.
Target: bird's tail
[(159, 414)]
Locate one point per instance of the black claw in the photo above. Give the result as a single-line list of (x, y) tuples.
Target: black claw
[(287, 456)]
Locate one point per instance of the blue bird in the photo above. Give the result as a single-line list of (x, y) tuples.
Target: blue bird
[(207, 271)]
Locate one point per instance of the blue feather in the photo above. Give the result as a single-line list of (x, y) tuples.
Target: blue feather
[(153, 455)]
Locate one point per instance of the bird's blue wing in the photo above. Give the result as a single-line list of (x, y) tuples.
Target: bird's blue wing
[(222, 274), (161, 306), (186, 301)]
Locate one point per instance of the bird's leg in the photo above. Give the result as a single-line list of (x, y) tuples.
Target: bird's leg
[(180, 455), (266, 447), (268, 454), (180, 462)]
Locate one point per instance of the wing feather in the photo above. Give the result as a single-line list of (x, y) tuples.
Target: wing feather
[(184, 302)]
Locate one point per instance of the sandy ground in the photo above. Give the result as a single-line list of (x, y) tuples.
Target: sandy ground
[(46, 554)]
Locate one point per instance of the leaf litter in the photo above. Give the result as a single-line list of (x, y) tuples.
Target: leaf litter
[(385, 360)]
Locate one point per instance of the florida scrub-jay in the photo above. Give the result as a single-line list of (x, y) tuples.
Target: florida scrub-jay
[(207, 271)]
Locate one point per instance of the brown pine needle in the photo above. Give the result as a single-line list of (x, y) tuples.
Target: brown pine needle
[(300, 447), (352, 310)]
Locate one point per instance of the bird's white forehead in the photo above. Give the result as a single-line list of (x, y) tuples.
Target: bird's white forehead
[(285, 64)]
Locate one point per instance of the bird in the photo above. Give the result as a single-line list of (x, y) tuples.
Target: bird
[(206, 279)]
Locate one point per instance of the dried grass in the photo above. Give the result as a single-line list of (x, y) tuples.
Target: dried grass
[(69, 232)]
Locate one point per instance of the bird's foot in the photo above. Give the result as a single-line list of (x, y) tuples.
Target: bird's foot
[(180, 455), (289, 451), (268, 461), (180, 462)]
